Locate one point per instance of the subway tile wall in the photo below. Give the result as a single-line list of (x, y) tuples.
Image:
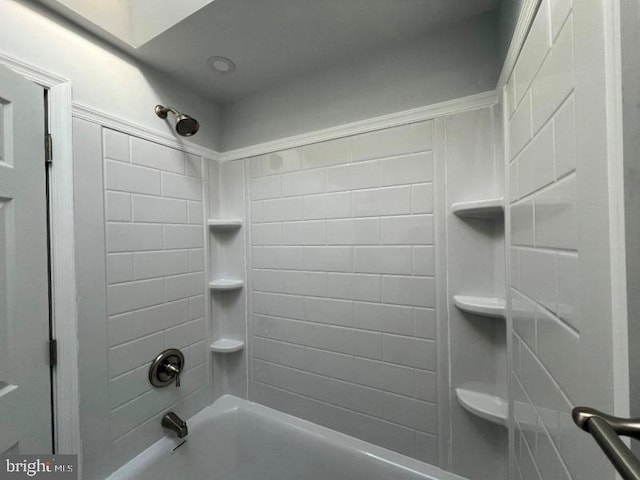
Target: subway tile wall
[(155, 284), (544, 253), (343, 286)]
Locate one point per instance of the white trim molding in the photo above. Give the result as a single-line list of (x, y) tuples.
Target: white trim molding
[(472, 102), (65, 325), (37, 75), (90, 114), (525, 19), (66, 410), (617, 239)]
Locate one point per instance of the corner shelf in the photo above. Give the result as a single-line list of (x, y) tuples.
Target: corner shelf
[(491, 208), (486, 306), (224, 223), (226, 345), (478, 400), (226, 284)]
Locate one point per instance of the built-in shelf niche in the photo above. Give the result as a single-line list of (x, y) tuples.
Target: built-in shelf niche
[(226, 284), (491, 208), (485, 306), (226, 345), (475, 260), (483, 402), (224, 223)]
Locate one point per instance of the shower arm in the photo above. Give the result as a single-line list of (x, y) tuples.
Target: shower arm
[(162, 111)]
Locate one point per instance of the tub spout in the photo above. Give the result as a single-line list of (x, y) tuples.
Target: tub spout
[(173, 422)]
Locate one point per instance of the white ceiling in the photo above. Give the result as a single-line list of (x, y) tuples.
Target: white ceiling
[(274, 41)]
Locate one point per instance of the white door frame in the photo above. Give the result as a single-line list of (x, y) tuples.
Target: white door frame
[(63, 302)]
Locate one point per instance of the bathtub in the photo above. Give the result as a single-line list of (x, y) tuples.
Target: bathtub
[(234, 439)]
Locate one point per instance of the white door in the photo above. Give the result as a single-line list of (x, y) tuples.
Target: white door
[(25, 399)]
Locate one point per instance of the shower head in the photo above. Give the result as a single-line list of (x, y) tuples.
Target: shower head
[(185, 125)]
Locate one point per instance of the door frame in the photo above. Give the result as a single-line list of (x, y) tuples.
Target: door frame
[(65, 409)]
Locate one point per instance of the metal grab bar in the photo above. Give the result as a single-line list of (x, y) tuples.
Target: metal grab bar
[(605, 430)]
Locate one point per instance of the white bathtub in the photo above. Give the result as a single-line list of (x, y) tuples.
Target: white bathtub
[(238, 440)]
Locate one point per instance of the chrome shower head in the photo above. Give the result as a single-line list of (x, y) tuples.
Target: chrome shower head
[(186, 126)]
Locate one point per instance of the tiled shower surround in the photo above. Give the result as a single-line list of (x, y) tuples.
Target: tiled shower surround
[(342, 285), (350, 258), (155, 281), (545, 173)]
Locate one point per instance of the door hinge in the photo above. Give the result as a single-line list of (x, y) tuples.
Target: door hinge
[(48, 148), (53, 352)]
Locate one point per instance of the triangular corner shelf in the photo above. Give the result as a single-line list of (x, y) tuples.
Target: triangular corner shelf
[(486, 306), (226, 284), (478, 400), (491, 208), (226, 345), (224, 223)]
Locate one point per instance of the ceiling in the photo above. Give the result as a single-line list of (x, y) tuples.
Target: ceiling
[(274, 41)]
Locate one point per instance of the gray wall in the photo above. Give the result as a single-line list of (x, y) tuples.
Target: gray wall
[(508, 13), (101, 76), (459, 61)]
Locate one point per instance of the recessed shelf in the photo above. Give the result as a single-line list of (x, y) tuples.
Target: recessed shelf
[(486, 306), (226, 345), (226, 284), (480, 401), (224, 223), (491, 208)]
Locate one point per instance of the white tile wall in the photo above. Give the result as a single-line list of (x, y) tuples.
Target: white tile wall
[(131, 179), (544, 249), (343, 288), (155, 291)]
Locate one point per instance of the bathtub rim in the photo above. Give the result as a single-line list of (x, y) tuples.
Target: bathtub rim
[(229, 404)]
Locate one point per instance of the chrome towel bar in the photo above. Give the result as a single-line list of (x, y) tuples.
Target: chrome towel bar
[(606, 429)]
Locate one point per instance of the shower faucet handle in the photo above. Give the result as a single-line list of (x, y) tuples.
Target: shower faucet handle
[(166, 368), (174, 372)]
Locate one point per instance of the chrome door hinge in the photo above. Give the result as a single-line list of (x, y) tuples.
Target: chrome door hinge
[(48, 148), (53, 352)]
